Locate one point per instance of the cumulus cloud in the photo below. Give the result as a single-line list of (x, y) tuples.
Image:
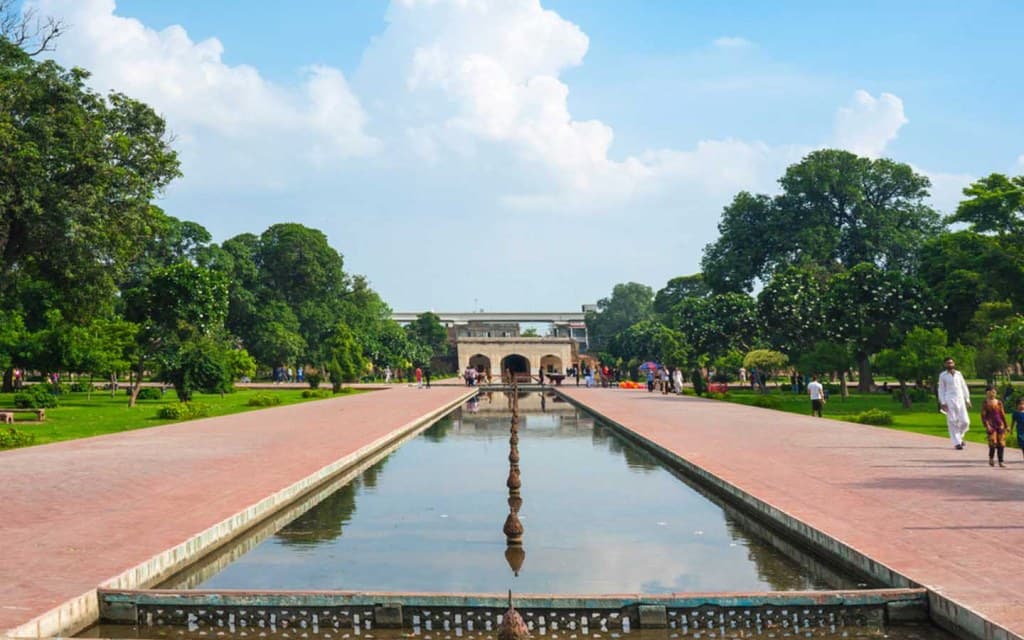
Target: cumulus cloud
[(199, 94), (732, 42), (869, 124)]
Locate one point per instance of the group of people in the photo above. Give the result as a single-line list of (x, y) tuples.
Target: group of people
[(665, 380), (955, 400), (473, 376), (287, 374)]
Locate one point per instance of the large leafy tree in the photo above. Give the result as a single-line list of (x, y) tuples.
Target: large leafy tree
[(649, 340), (77, 174), (790, 309), (965, 269), (716, 325), (836, 209), (994, 204), (629, 303), (427, 336), (869, 310), (179, 308), (679, 288)]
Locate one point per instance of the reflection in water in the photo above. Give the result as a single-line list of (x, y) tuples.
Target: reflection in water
[(603, 516)]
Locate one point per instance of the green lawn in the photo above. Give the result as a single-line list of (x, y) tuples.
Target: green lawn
[(922, 417), (79, 416)]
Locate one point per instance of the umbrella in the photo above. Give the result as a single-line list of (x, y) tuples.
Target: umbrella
[(650, 366)]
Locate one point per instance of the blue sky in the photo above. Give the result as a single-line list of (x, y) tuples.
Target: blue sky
[(524, 155)]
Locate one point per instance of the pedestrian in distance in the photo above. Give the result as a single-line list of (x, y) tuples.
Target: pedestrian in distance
[(1017, 422), (419, 377), (993, 416), (954, 401), (426, 375), (817, 394)]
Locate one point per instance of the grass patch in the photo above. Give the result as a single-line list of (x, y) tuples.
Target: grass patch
[(922, 417), (79, 416)]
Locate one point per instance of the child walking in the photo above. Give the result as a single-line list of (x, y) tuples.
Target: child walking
[(1018, 424), (993, 416)]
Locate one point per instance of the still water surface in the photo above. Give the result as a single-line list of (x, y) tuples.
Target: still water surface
[(600, 516)]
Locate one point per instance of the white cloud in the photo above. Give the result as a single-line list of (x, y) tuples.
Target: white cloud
[(1020, 165), (870, 123), (732, 42), (201, 95)]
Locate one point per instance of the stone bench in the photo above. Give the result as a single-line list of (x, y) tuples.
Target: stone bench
[(9, 413)]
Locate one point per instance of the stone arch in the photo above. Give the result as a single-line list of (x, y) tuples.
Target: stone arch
[(552, 364), (480, 362), (517, 364)]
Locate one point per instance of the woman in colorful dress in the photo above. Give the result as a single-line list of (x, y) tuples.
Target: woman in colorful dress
[(993, 416)]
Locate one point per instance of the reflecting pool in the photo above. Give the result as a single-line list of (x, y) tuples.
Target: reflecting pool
[(600, 515)]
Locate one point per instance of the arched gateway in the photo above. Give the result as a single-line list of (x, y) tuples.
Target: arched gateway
[(525, 356)]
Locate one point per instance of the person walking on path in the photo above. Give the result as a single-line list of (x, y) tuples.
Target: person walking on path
[(677, 380), (817, 393), (387, 375), (993, 416), (419, 377), (426, 375), (1018, 424), (650, 381), (954, 401)]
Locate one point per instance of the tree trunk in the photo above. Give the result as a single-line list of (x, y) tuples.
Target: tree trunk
[(864, 381), (136, 385), (904, 395), (8, 380), (844, 391)]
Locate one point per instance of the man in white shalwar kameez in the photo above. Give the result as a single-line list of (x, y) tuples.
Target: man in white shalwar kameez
[(955, 400)]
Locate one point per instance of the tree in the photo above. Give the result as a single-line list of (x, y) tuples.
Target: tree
[(965, 269), (917, 358), (835, 209), (199, 364), (677, 289), (346, 357), (649, 340), (994, 204), (26, 29), (715, 325), (177, 307), (77, 173), (869, 310), (829, 357), (790, 309), (427, 332), (629, 303), (530, 333), (765, 361)]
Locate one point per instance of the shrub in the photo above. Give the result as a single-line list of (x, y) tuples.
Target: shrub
[(314, 380), (873, 416), (38, 396), (264, 400), (715, 395), (317, 393), (721, 376), (767, 402), (183, 411), (698, 382), (150, 393), (79, 387), (11, 437)]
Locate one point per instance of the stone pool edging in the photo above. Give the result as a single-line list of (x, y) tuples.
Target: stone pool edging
[(942, 611), (230, 612), (79, 612)]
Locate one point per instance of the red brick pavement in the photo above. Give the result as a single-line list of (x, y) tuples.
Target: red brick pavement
[(75, 514), (941, 517)]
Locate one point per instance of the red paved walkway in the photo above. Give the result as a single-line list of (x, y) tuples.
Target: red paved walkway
[(74, 514), (941, 517)]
